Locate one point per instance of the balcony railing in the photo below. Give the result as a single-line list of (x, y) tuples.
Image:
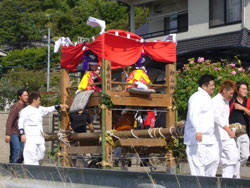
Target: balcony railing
[(173, 23)]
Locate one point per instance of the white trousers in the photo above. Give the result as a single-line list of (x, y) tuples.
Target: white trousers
[(203, 159), (33, 153), (229, 157), (242, 143)]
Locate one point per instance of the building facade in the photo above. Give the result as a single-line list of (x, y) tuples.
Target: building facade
[(209, 28)]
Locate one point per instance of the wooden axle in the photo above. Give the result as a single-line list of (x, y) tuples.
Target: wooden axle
[(145, 133)]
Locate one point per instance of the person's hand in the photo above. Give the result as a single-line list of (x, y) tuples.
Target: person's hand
[(7, 139), (238, 106), (199, 136), (23, 138), (64, 106), (231, 134)]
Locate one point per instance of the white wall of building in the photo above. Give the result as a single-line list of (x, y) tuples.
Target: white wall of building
[(198, 11), (198, 18), (246, 14)]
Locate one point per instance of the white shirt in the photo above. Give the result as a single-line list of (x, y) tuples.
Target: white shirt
[(200, 118), (31, 120), (221, 116)]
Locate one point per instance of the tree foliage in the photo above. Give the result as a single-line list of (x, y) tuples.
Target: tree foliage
[(30, 58), (20, 77), (28, 20)]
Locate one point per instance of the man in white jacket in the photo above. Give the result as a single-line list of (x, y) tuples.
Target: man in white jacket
[(201, 146), (31, 129), (228, 150)]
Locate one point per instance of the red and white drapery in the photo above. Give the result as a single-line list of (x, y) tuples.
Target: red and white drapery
[(121, 48)]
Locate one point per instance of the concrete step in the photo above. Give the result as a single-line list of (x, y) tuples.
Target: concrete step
[(184, 169)]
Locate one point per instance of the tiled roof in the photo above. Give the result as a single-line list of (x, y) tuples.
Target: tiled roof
[(142, 30), (226, 40)]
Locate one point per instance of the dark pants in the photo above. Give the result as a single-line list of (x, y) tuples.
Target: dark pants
[(16, 149)]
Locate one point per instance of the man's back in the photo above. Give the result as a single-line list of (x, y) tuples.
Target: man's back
[(221, 115)]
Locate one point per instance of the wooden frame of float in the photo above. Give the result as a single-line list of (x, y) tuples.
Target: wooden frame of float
[(121, 98)]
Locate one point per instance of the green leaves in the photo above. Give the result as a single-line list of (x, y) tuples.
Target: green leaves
[(25, 19), (106, 100), (31, 58), (187, 78), (20, 77)]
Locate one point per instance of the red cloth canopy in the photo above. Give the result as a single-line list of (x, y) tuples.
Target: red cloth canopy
[(72, 56), (121, 48), (161, 51)]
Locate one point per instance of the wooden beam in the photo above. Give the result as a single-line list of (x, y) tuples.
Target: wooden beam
[(128, 99), (150, 85), (149, 142), (108, 112), (64, 117), (170, 81), (170, 116), (144, 133), (143, 150), (85, 150)]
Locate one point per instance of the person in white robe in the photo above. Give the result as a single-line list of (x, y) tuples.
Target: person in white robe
[(201, 146), (225, 136), (31, 129)]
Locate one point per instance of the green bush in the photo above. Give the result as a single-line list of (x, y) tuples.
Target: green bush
[(187, 78), (20, 77), (31, 58)]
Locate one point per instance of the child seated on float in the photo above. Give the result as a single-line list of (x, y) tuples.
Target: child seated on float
[(139, 77), (92, 75)]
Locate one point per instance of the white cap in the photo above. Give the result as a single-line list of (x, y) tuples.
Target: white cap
[(93, 63)]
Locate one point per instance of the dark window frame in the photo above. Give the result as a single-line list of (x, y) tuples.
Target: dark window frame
[(179, 29), (225, 15)]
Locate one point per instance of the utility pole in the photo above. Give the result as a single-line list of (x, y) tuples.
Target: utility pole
[(48, 69)]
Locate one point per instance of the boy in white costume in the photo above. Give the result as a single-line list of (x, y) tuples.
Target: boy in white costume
[(31, 129), (228, 150), (201, 146)]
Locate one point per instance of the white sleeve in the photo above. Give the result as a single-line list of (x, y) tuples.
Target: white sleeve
[(46, 110), (194, 113), (218, 113), (21, 120)]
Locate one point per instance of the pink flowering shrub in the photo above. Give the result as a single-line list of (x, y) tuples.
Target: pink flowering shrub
[(187, 78)]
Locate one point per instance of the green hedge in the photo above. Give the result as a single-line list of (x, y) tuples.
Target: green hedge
[(187, 78)]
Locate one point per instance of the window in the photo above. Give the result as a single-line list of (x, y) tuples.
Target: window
[(224, 12), (176, 23)]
